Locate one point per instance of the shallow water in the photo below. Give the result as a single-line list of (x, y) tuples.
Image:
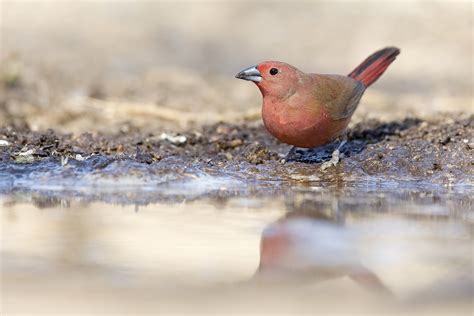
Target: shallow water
[(131, 239)]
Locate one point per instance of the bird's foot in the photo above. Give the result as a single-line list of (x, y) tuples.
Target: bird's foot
[(333, 162)]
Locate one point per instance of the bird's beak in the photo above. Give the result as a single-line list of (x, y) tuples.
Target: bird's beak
[(250, 74)]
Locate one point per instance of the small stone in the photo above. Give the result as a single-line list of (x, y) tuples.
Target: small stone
[(177, 140), (235, 143), (25, 157), (4, 143), (120, 148), (27, 153)]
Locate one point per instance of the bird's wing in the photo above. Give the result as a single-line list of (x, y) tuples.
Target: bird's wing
[(340, 95)]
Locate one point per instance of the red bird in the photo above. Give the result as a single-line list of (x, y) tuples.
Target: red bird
[(310, 110)]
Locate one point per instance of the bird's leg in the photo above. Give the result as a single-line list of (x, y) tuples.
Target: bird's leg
[(335, 155), (290, 154)]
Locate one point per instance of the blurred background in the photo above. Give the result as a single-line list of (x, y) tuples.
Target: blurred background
[(106, 66)]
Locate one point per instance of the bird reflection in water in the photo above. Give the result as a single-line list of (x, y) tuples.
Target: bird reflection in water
[(310, 247)]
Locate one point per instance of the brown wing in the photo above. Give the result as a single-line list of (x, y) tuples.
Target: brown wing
[(339, 94)]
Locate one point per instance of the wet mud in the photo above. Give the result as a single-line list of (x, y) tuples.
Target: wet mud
[(440, 147)]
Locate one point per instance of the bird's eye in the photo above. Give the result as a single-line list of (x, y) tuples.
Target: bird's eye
[(273, 71)]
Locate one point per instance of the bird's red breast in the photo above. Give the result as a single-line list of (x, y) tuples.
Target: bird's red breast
[(303, 124)]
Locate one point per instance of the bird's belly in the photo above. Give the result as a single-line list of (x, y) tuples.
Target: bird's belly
[(303, 129)]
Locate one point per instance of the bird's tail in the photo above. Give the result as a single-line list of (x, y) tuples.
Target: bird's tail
[(374, 66)]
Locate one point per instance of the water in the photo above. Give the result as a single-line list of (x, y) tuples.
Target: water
[(200, 242)]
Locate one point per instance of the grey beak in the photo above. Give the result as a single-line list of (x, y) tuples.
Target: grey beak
[(250, 74)]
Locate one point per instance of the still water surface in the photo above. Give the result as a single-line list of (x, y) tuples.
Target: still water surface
[(214, 245)]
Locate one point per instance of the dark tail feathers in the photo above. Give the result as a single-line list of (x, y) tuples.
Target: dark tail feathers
[(374, 66)]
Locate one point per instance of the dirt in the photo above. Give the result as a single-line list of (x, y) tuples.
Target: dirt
[(438, 149)]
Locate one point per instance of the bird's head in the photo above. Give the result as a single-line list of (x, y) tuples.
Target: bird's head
[(273, 78)]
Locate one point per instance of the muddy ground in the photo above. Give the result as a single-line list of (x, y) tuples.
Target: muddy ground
[(438, 149)]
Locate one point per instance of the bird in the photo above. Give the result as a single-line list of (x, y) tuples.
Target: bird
[(309, 110)]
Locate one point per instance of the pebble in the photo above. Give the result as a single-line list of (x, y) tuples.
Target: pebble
[(25, 157), (27, 153), (178, 139), (4, 143), (80, 158), (235, 143)]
